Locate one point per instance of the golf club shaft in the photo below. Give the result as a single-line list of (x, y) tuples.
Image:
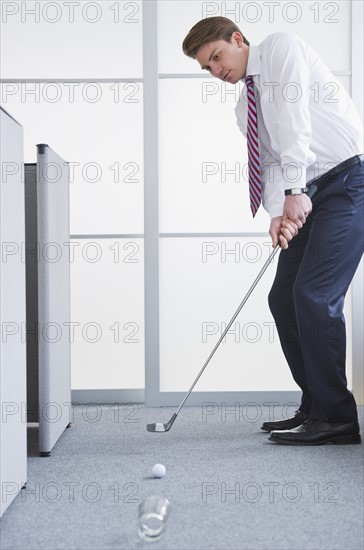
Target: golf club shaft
[(310, 191), (260, 274)]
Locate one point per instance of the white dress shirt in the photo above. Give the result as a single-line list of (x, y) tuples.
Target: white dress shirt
[(307, 122)]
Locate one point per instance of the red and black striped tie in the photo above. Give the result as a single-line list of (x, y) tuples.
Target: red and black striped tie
[(255, 187)]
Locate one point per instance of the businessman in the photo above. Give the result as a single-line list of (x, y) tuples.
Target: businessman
[(301, 126)]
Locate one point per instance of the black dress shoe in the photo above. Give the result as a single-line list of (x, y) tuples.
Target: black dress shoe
[(314, 432), (298, 419)]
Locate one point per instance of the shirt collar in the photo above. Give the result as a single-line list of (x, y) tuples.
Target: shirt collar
[(253, 67)]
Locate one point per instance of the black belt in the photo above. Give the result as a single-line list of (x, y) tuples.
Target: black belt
[(339, 170)]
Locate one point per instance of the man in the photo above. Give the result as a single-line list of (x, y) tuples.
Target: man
[(300, 125)]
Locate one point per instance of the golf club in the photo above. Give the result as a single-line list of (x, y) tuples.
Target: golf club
[(159, 426)]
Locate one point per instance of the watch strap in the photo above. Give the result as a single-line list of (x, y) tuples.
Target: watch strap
[(295, 191)]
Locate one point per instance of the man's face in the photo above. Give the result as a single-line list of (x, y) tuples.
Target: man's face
[(225, 60)]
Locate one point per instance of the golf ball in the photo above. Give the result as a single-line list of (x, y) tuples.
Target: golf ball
[(159, 470)]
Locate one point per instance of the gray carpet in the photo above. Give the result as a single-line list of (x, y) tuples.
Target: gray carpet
[(230, 488)]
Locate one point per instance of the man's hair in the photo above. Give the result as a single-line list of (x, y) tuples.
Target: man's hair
[(209, 30)]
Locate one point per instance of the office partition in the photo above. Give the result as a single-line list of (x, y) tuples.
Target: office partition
[(48, 295), (13, 442)]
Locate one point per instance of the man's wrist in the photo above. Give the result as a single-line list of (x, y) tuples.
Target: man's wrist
[(295, 191)]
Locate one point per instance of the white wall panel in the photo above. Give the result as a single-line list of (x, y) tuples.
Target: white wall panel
[(203, 160), (107, 312), (99, 129), (325, 25), (202, 283), (71, 39)]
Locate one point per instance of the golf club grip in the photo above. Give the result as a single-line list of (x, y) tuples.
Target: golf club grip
[(312, 190)]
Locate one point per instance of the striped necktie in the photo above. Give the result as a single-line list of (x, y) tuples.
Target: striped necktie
[(255, 187)]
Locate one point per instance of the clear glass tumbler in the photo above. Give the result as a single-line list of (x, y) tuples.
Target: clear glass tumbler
[(152, 516)]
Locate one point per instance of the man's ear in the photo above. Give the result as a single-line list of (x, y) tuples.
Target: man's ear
[(238, 38)]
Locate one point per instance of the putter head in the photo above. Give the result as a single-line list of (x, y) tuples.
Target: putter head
[(160, 427)]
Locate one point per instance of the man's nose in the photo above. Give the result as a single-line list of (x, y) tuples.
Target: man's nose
[(217, 71)]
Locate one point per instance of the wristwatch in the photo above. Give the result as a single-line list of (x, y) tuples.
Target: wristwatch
[(295, 191)]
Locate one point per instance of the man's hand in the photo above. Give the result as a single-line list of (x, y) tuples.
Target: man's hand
[(282, 229), (296, 208)]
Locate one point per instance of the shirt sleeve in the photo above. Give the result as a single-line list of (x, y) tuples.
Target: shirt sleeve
[(290, 78)]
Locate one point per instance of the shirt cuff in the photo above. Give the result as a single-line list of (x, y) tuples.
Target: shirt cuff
[(276, 210)]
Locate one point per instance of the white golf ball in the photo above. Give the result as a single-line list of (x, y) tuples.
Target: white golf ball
[(159, 470)]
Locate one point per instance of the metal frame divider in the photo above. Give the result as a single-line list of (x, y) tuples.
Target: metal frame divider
[(357, 81), (151, 222)]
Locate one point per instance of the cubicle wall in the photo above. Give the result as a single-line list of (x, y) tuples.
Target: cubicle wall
[(31, 270), (48, 313), (13, 443)]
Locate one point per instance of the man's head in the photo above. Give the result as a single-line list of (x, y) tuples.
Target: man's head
[(220, 47)]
